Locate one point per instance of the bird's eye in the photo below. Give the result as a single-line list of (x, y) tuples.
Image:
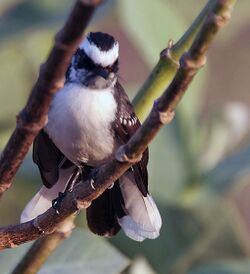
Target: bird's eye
[(82, 61), (115, 67)]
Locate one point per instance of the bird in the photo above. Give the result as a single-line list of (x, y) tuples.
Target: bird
[(88, 120)]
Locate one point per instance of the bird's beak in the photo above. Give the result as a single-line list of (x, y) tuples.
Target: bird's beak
[(104, 73), (100, 78)]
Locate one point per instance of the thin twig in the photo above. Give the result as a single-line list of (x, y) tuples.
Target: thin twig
[(127, 155), (51, 78)]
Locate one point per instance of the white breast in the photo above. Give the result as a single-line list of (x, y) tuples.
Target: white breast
[(79, 123)]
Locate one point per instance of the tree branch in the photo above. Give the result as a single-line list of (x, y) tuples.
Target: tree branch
[(51, 78), (32, 119), (127, 155), (43, 247)]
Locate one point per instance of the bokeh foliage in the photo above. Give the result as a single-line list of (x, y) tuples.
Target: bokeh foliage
[(204, 228)]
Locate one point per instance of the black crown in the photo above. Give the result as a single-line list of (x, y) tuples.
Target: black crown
[(102, 40)]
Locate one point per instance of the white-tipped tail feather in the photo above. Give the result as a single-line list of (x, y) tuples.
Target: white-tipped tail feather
[(42, 201), (143, 219)]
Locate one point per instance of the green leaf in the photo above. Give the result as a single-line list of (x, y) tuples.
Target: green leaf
[(221, 178), (174, 152), (20, 59), (168, 171), (81, 253), (28, 14)]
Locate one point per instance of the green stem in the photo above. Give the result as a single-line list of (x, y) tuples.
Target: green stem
[(167, 66), (188, 37), (220, 14), (156, 83)]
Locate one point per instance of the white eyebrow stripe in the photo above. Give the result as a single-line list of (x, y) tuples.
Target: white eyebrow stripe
[(103, 58)]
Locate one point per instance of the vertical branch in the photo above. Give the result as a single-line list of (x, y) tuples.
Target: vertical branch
[(51, 78)]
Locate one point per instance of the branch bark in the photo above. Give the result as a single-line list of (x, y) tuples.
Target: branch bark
[(33, 117), (161, 113), (43, 247), (51, 78)]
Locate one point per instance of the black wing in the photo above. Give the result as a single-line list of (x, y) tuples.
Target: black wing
[(103, 212), (48, 158), (126, 124)]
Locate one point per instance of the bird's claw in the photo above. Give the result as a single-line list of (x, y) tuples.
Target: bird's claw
[(56, 203), (92, 177), (91, 181)]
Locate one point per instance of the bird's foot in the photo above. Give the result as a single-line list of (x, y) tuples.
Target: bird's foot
[(57, 202), (74, 179)]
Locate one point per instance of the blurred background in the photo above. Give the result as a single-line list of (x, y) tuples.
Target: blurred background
[(199, 165)]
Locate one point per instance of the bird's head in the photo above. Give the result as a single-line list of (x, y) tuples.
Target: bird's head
[(95, 63)]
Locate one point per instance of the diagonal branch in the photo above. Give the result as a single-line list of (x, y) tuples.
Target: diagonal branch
[(51, 78), (161, 113), (166, 68), (43, 248)]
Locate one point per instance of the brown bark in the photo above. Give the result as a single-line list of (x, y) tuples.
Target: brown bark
[(43, 247), (161, 113), (51, 78)]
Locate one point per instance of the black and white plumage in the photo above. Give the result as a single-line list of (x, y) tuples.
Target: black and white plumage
[(89, 118)]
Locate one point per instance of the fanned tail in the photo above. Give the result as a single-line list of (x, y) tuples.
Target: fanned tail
[(142, 219), (102, 214), (124, 206)]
